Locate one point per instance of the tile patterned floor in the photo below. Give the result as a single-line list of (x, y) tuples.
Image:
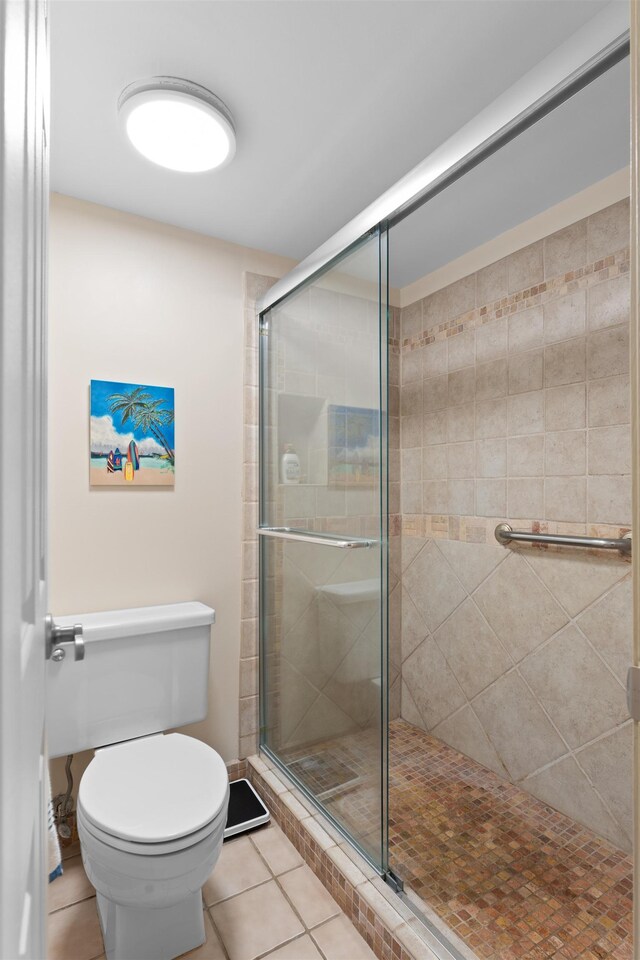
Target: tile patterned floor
[(261, 901), (511, 876)]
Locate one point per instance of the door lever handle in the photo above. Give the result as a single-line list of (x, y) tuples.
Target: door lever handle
[(55, 636)]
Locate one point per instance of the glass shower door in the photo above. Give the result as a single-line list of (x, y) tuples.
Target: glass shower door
[(323, 541)]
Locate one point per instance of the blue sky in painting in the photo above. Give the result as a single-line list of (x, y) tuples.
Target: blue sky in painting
[(100, 392)]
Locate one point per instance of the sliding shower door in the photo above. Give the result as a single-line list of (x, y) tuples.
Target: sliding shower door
[(323, 540)]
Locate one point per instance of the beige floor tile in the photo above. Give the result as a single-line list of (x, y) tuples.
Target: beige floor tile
[(255, 922), (277, 850), (239, 868), (211, 949), (301, 949), (74, 933), (73, 850), (71, 887), (308, 895), (339, 940)]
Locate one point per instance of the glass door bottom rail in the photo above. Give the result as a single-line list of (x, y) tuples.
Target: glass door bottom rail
[(511, 876)]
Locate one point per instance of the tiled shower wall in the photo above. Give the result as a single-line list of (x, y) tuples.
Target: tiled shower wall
[(514, 405), (255, 287)]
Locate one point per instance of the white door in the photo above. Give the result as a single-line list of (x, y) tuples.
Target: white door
[(635, 431), (24, 81)]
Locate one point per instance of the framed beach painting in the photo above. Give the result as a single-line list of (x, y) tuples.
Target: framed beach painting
[(354, 446), (132, 435)]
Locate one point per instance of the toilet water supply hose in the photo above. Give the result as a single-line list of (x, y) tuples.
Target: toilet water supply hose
[(63, 804)]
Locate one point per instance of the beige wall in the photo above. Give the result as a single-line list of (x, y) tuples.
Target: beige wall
[(135, 300)]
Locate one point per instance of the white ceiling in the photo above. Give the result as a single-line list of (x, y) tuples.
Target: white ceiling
[(333, 101), (581, 142)]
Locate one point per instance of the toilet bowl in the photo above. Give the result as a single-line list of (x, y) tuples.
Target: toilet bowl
[(152, 806), (151, 819)]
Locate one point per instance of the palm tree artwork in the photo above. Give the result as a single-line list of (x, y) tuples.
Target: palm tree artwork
[(145, 414), (132, 434)]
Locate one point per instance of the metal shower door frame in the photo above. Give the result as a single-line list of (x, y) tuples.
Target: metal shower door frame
[(266, 532)]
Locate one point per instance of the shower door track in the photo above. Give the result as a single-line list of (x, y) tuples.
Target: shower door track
[(567, 70)]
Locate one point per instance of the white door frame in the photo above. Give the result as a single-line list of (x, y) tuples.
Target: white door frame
[(635, 431), (24, 198)]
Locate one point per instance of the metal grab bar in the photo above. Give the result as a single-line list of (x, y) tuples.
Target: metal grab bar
[(504, 534), (320, 539)]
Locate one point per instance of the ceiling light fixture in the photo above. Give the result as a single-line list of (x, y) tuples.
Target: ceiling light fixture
[(177, 124)]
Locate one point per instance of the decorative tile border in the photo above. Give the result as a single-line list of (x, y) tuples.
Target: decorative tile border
[(607, 268), (482, 529), (487, 480), (389, 927)]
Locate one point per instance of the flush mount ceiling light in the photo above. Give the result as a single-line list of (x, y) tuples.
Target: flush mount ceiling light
[(177, 124)]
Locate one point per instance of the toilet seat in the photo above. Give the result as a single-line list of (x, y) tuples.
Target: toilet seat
[(153, 849), (154, 795)]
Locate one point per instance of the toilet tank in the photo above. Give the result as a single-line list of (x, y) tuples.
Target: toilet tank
[(145, 670)]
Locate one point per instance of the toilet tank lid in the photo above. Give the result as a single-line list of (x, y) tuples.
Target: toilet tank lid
[(135, 621)]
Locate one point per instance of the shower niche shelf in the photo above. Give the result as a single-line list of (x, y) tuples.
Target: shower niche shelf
[(302, 422)]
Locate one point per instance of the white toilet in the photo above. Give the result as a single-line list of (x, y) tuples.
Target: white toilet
[(152, 807)]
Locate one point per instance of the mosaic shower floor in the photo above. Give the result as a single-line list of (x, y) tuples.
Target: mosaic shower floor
[(511, 876)]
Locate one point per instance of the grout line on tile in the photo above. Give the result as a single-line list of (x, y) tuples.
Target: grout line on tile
[(284, 943), (259, 852), (218, 934), (238, 893), (289, 901), (572, 621), (75, 903)]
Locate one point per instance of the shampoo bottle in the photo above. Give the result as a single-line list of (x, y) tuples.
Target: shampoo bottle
[(289, 465)]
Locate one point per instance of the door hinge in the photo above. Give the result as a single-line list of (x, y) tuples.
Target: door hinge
[(633, 693)]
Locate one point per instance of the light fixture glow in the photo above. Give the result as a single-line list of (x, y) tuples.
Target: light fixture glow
[(177, 124)]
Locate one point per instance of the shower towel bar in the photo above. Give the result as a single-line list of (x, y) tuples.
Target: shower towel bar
[(504, 534), (320, 539)]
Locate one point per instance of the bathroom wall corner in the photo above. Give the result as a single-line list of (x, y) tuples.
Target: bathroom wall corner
[(255, 285)]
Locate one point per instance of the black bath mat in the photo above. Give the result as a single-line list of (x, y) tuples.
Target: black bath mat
[(246, 809)]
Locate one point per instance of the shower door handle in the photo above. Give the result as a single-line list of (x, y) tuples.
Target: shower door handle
[(320, 539)]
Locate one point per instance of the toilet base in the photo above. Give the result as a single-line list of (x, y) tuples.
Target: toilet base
[(148, 933)]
